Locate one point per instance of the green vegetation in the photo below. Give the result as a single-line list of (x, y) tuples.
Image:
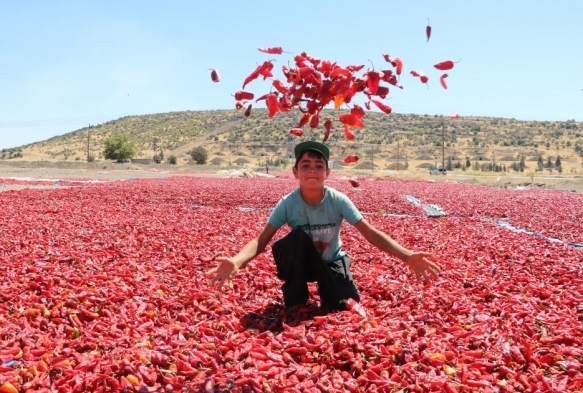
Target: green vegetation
[(119, 147), (199, 155), (228, 136)]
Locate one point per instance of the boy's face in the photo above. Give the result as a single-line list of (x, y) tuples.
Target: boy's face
[(311, 170)]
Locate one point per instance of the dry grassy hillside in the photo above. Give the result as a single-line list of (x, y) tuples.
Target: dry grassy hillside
[(396, 141)]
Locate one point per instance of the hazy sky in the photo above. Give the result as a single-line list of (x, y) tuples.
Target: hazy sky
[(67, 64)]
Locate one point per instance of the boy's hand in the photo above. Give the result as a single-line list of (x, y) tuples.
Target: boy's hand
[(224, 272), (419, 263)]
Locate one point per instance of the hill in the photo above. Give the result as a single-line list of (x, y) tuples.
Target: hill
[(386, 142)]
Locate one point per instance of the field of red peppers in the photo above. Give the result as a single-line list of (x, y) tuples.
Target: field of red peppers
[(104, 289)]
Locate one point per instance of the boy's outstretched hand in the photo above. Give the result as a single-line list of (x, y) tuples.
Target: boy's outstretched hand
[(224, 272), (421, 265)]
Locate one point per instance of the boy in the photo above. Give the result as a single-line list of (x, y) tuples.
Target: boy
[(312, 251)]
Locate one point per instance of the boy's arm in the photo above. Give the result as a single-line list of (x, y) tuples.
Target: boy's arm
[(417, 261), (254, 247), (228, 266)]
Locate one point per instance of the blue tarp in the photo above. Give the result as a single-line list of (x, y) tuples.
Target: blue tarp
[(508, 226), (430, 209)]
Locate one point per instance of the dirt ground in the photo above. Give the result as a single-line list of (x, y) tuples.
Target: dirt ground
[(39, 173)]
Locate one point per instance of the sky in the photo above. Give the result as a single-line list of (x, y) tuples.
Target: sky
[(65, 65)]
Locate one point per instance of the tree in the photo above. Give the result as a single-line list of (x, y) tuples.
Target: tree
[(558, 161), (531, 174), (119, 147), (522, 163), (539, 164), (172, 160), (199, 155)]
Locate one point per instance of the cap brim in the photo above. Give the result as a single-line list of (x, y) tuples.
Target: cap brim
[(312, 145)]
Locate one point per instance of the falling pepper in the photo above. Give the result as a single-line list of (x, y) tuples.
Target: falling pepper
[(327, 127), (383, 107), (347, 133), (272, 105), (272, 50), (428, 30), (351, 159), (296, 131), (248, 111), (349, 119), (215, 75), (445, 65), (442, 81), (243, 95)]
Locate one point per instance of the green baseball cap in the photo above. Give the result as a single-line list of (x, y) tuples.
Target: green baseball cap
[(312, 145)]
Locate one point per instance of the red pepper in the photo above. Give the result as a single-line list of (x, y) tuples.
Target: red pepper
[(382, 91), (314, 120), (372, 81), (327, 127), (442, 81), (243, 95), (445, 65), (248, 111), (349, 119), (293, 77), (428, 30), (339, 71), (357, 111), (272, 50), (421, 75), (304, 119), (263, 97), (389, 59), (383, 107), (240, 104), (215, 75), (252, 76), (265, 70), (449, 388), (398, 66), (285, 103), (272, 105), (477, 384), (393, 81), (279, 86), (354, 68), (297, 350), (352, 304), (296, 131), (347, 133), (305, 71), (350, 159)]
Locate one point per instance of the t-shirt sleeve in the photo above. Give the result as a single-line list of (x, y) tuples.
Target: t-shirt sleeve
[(277, 217), (349, 210)]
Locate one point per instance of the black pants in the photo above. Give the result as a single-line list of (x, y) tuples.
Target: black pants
[(298, 263)]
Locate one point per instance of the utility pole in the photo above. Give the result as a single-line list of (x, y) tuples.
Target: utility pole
[(372, 159), (442, 144), (398, 151), (88, 138)]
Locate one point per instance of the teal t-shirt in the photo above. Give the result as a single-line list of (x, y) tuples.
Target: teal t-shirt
[(321, 222)]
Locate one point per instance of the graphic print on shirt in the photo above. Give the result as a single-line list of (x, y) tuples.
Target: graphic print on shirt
[(321, 235)]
